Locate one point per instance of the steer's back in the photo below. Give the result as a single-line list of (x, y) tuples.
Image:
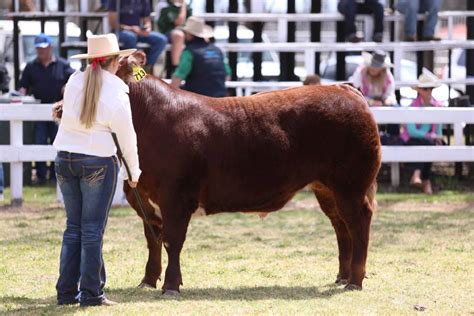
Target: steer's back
[(261, 149)]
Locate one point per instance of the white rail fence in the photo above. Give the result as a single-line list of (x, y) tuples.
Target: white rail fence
[(16, 153)]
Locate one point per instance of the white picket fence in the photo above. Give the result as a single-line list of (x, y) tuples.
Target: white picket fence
[(16, 153)]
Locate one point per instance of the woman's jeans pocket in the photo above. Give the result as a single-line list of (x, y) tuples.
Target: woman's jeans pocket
[(94, 176)]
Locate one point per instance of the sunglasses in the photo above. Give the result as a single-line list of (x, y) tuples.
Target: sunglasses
[(426, 89)]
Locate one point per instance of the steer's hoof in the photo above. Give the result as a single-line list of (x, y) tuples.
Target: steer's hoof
[(353, 287), (342, 281), (171, 293), (144, 285)]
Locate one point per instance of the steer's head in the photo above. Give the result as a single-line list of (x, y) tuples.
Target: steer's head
[(125, 71)]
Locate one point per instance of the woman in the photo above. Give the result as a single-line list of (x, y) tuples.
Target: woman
[(95, 105), (375, 80), (423, 134)]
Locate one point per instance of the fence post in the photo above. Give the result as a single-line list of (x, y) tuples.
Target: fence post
[(210, 9), (470, 52), (287, 59), (257, 56), (340, 56), (233, 8), (16, 168), (470, 69), (316, 33)]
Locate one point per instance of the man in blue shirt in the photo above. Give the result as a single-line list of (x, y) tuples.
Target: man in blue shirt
[(44, 78), (134, 22)]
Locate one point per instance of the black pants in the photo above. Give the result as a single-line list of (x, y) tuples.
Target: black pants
[(350, 8), (425, 167)]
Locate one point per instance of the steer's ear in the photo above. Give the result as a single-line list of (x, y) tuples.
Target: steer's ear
[(125, 71), (138, 58)]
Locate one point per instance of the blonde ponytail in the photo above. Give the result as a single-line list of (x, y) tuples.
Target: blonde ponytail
[(92, 89)]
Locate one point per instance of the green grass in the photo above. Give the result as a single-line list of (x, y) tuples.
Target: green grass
[(421, 253)]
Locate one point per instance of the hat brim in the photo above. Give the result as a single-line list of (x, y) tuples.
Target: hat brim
[(42, 45), (207, 32), (384, 65), (433, 85), (122, 53)]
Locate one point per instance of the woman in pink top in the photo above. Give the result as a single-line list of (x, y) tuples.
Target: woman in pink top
[(423, 134)]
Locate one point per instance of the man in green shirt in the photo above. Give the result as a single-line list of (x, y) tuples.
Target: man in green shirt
[(202, 64), (171, 17)]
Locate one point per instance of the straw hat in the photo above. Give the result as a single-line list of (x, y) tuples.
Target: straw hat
[(197, 27), (378, 59), (103, 46), (427, 79)]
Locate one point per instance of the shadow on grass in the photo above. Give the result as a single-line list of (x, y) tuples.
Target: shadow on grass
[(14, 305), (47, 306), (230, 294)]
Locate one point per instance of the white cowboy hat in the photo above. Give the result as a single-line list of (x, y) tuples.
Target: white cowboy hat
[(427, 79), (378, 59), (103, 46), (198, 27)]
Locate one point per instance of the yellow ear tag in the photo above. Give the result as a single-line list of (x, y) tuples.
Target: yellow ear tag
[(138, 73)]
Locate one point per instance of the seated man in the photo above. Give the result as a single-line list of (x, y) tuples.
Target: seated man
[(135, 26), (352, 7), (202, 63), (410, 8), (170, 19)]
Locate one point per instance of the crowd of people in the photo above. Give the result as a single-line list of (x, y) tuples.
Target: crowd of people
[(199, 66)]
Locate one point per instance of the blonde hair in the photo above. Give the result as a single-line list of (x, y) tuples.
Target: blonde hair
[(92, 88)]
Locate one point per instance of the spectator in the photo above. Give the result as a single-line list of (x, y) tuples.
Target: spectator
[(312, 80), (25, 5), (376, 82), (423, 134), (45, 78), (104, 4), (349, 8), (202, 63), (410, 8), (4, 77), (135, 26), (172, 17)]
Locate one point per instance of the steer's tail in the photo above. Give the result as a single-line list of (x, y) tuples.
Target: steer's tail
[(370, 196)]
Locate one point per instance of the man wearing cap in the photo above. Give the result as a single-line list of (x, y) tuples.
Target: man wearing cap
[(201, 64), (44, 78), (134, 23)]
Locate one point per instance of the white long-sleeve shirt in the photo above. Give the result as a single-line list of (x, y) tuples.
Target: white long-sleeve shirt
[(113, 115)]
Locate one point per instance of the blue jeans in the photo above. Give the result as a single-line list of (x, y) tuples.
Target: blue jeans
[(43, 132), (349, 8), (88, 186), (1, 178), (157, 42), (410, 8)]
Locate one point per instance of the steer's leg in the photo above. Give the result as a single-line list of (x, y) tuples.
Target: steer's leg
[(357, 214), (177, 210), (153, 265), (328, 205)]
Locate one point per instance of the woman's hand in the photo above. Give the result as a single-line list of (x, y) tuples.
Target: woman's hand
[(57, 111), (132, 184)]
